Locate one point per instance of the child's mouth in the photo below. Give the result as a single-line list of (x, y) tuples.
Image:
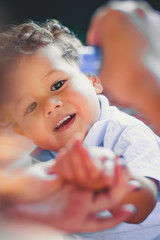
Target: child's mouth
[(65, 122)]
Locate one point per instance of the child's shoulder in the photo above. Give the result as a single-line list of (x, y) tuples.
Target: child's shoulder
[(116, 117), (116, 124)]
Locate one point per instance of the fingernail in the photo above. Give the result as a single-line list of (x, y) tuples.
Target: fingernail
[(51, 177), (135, 184), (109, 166), (130, 208), (121, 161)]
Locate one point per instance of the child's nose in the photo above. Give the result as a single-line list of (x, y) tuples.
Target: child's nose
[(51, 105)]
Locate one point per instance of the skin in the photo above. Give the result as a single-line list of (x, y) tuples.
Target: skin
[(118, 193), (35, 72), (125, 77), (74, 164), (46, 93), (69, 209), (50, 86)]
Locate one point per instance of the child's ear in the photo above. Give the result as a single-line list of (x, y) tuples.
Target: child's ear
[(96, 82)]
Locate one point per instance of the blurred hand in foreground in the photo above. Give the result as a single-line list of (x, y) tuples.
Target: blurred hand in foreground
[(125, 76)]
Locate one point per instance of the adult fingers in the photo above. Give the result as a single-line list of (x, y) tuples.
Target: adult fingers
[(101, 223), (93, 31)]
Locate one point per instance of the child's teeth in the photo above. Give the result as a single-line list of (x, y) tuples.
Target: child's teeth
[(64, 119)]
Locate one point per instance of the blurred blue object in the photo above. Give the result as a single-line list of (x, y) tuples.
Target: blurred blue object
[(90, 60)]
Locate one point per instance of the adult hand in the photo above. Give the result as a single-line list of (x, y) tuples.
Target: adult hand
[(62, 206), (125, 77), (68, 209), (24, 186)]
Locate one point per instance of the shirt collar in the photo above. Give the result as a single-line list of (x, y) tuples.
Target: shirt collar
[(96, 133)]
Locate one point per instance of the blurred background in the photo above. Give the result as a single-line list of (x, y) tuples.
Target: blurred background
[(75, 14)]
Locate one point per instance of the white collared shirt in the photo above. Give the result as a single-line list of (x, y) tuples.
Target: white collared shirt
[(140, 147)]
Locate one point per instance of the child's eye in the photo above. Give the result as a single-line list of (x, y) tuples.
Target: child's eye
[(58, 85), (31, 108)]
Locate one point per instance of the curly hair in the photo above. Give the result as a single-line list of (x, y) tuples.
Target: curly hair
[(27, 38)]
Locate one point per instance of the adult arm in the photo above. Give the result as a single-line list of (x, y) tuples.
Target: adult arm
[(125, 76)]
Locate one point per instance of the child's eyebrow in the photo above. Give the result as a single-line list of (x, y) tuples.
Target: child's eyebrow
[(18, 101), (50, 73)]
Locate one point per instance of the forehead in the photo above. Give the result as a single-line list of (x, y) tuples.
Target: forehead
[(42, 62)]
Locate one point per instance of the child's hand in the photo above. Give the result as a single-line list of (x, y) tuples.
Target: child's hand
[(119, 188), (74, 164), (122, 186)]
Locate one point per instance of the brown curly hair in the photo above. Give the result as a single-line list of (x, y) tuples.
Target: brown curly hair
[(27, 38)]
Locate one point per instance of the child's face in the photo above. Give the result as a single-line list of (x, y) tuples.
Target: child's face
[(54, 99)]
